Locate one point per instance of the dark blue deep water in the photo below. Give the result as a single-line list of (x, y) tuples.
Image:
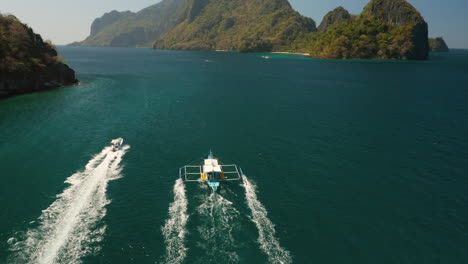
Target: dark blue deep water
[(353, 161)]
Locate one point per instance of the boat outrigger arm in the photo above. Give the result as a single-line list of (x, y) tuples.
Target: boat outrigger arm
[(210, 172)]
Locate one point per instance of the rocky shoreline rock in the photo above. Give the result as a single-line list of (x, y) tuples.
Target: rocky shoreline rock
[(438, 45), (58, 77)]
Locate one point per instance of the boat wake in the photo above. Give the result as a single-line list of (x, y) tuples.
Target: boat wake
[(266, 229), (70, 228), (217, 228), (175, 228)]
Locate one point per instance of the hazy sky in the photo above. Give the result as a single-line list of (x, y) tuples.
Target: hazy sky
[(65, 21)]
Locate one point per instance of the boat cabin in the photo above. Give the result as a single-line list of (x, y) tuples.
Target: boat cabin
[(211, 172)]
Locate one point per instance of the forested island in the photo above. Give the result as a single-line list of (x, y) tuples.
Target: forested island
[(27, 63), (386, 29)]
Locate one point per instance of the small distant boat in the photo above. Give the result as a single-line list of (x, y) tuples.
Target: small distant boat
[(211, 172), (266, 57), (116, 144)]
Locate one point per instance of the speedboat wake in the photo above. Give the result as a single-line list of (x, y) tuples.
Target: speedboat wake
[(71, 227)]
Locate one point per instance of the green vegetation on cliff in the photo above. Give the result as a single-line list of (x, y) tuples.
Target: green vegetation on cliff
[(438, 45), (243, 25), (28, 63), (386, 29)]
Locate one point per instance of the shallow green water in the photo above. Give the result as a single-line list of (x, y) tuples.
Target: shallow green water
[(354, 161)]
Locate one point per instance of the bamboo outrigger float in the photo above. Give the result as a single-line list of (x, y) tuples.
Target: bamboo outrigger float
[(211, 172)]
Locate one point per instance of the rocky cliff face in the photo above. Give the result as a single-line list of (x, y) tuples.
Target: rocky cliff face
[(397, 12), (27, 63), (438, 45), (194, 8), (127, 29), (402, 14), (336, 16)]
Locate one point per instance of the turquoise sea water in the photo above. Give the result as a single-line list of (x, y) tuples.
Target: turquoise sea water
[(353, 161)]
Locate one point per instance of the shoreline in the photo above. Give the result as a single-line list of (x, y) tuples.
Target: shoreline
[(272, 52), (291, 53)]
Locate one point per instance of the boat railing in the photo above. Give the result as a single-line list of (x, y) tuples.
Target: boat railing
[(191, 173)]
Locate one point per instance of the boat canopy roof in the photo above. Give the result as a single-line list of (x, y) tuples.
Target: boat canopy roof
[(213, 162), (211, 165)]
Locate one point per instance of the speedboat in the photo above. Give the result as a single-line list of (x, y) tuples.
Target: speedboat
[(266, 57), (211, 172), (116, 144)]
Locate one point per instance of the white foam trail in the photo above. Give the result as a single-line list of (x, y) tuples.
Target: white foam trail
[(175, 228), (70, 227), (266, 229), (217, 230)]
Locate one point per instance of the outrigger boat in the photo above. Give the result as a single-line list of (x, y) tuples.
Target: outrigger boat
[(116, 144), (211, 172)]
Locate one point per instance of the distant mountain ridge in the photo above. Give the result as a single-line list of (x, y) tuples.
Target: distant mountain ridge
[(245, 25), (386, 29), (140, 29), (108, 18)]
